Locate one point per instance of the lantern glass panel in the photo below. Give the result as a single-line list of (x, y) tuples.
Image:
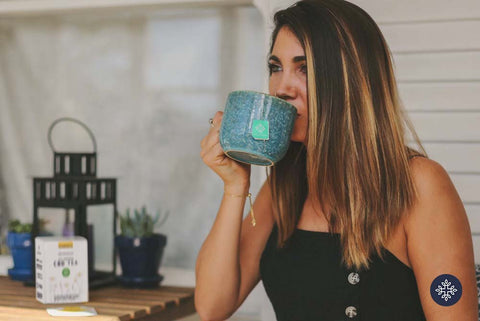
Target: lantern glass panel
[(54, 219), (101, 218)]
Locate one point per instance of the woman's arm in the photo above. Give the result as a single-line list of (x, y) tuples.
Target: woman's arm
[(439, 242), (227, 266)]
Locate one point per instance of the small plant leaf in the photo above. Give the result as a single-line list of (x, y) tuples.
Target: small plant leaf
[(141, 224)]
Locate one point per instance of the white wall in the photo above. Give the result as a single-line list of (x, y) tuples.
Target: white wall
[(146, 84), (436, 50)]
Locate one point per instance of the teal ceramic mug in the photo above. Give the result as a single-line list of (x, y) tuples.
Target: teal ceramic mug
[(256, 127)]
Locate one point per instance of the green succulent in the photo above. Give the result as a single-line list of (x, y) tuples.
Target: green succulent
[(17, 227), (141, 223)]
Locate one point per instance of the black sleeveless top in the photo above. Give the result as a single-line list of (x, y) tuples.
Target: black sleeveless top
[(305, 280)]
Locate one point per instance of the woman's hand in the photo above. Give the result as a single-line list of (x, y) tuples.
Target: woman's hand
[(235, 175)]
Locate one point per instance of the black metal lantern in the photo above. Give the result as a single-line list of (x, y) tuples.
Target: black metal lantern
[(75, 186)]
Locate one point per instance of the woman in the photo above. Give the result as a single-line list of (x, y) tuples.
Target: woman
[(350, 224)]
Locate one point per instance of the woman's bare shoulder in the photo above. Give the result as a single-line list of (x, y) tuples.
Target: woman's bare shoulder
[(422, 165), (431, 181)]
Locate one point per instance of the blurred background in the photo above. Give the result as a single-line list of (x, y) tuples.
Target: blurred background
[(146, 76)]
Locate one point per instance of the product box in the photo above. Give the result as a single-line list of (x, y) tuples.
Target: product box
[(61, 269)]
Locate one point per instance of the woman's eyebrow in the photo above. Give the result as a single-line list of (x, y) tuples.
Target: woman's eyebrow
[(295, 59), (299, 58), (274, 58)]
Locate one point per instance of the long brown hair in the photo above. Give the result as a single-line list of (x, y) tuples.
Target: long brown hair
[(356, 160)]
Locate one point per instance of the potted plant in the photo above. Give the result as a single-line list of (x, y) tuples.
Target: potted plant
[(19, 242), (140, 249)]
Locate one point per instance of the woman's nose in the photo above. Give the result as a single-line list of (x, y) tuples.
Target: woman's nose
[(286, 88)]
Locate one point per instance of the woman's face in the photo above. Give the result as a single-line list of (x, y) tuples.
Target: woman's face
[(288, 78)]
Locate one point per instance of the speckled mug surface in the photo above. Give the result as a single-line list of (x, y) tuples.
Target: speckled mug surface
[(256, 127)]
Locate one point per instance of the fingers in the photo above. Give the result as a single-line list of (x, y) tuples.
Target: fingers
[(217, 121), (212, 138), (208, 143), (214, 155)]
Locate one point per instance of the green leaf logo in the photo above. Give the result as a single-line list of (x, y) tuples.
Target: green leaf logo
[(66, 272)]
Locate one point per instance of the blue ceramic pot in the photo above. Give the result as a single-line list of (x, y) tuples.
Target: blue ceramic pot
[(256, 127), (140, 258), (20, 245)]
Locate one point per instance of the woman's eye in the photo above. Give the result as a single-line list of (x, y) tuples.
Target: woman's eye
[(274, 68), (303, 69)]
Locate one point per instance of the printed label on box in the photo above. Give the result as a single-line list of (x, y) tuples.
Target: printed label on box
[(61, 269)]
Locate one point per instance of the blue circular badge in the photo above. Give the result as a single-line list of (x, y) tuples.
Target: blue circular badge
[(446, 289)]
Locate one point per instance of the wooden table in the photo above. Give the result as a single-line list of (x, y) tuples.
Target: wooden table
[(114, 303)]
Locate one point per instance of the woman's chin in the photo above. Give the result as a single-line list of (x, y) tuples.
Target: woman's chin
[(297, 139)]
